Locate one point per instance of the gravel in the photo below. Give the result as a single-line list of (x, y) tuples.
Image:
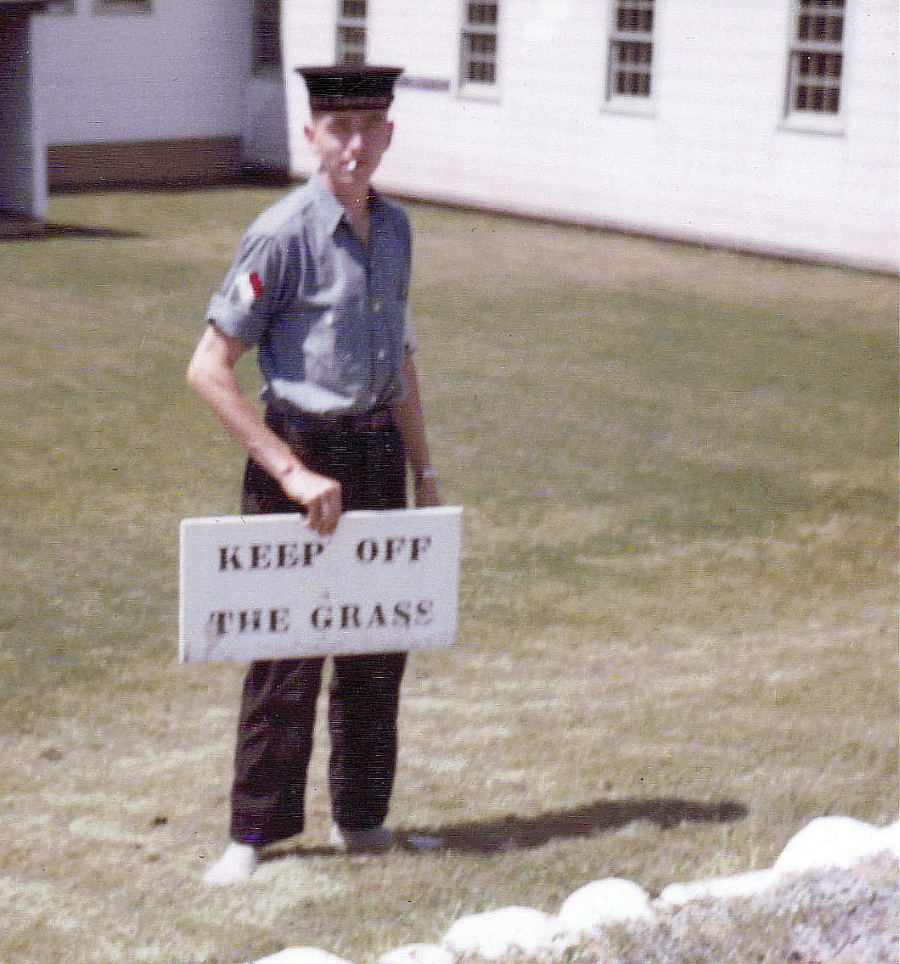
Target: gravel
[(823, 917)]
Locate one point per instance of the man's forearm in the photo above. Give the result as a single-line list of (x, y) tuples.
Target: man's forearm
[(211, 376), (411, 422)]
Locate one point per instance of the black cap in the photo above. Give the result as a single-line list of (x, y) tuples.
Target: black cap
[(350, 87)]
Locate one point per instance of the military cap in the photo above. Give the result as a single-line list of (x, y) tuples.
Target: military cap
[(350, 87)]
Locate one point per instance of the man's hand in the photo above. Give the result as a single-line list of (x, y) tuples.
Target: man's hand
[(318, 494)]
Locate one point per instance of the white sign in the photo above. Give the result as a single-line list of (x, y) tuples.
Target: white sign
[(269, 587)]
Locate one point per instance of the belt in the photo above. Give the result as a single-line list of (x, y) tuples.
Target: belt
[(371, 421)]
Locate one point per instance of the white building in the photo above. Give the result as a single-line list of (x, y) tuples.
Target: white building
[(768, 126), (157, 91)]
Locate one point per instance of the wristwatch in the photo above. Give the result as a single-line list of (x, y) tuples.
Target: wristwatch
[(425, 474)]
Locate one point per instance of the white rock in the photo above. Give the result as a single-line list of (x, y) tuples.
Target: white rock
[(890, 838), (604, 902), (301, 955), (496, 933), (740, 885), (417, 954), (830, 842)]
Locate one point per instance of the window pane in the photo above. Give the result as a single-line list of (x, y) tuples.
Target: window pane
[(825, 29), (266, 35), (816, 62), (482, 13), (479, 43), (481, 73), (350, 36), (635, 20), (631, 60)]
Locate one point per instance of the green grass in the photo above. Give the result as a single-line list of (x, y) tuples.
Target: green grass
[(677, 633)]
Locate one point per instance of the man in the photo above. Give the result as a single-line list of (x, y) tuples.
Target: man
[(320, 286)]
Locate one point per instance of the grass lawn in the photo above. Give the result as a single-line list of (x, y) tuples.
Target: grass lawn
[(678, 611)]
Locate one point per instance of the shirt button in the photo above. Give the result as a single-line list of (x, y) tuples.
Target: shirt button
[(382, 355)]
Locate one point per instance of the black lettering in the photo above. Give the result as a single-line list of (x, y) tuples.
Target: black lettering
[(220, 623), (287, 557), (278, 620), (367, 550), (249, 621), (424, 612), (260, 556), (321, 617), (377, 618), (310, 551), (228, 558), (393, 547), (349, 617), (419, 545), (402, 613)]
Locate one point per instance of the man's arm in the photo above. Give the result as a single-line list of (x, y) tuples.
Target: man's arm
[(211, 375), (410, 421)]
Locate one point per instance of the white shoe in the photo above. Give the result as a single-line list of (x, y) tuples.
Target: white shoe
[(375, 840), (235, 866)]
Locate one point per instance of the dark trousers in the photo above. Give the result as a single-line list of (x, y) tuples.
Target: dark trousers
[(275, 729)]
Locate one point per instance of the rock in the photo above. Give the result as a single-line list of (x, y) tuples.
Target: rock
[(830, 842), (496, 933), (604, 902), (301, 955), (890, 837), (417, 954), (739, 885)]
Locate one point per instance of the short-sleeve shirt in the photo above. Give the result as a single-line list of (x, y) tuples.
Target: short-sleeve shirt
[(327, 313)]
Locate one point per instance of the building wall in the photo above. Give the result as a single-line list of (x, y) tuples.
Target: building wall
[(714, 161), (265, 143), (158, 96)]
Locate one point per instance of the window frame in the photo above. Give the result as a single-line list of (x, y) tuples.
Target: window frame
[(112, 8), (624, 101), (348, 52), (260, 60), (466, 86), (812, 119)]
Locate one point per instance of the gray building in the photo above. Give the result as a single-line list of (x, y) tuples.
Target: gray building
[(23, 180)]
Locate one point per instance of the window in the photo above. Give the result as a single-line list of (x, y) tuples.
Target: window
[(351, 32), (478, 69), (631, 51), (122, 6), (816, 58), (266, 35)]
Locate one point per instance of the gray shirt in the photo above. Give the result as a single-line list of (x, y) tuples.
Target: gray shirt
[(328, 314)]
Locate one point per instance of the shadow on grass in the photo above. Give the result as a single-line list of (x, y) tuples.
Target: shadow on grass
[(514, 832), (48, 230)]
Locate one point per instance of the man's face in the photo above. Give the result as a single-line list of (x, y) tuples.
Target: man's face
[(349, 143)]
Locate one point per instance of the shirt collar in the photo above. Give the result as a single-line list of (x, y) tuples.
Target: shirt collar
[(329, 210)]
